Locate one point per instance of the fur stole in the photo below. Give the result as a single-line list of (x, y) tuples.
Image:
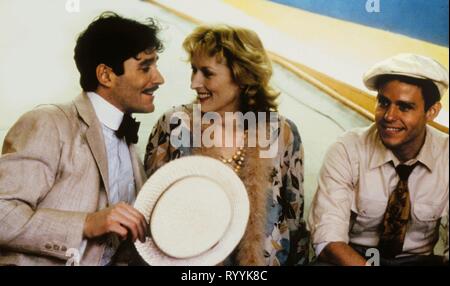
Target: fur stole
[(255, 174)]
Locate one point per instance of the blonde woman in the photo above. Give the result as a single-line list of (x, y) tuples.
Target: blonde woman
[(230, 74)]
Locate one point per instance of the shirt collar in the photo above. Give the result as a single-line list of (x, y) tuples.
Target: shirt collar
[(108, 114), (425, 155), (382, 155)]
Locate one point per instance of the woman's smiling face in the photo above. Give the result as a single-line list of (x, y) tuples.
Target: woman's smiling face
[(212, 80)]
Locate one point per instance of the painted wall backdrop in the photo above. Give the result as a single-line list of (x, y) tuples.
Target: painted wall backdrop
[(426, 20)]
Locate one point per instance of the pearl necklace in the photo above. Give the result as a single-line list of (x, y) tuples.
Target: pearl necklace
[(237, 160)]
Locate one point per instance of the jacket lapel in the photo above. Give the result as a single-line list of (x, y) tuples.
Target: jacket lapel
[(94, 136)]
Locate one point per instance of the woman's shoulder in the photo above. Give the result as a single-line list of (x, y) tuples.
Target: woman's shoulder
[(288, 129), (176, 111)]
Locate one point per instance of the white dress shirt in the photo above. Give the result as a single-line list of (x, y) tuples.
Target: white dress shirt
[(120, 172), (357, 177)]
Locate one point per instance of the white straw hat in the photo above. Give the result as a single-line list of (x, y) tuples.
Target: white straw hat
[(410, 65), (197, 209)]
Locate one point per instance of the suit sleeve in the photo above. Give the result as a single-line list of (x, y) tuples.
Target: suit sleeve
[(28, 170)]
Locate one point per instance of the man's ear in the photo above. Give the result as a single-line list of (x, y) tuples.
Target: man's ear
[(433, 111), (105, 75)]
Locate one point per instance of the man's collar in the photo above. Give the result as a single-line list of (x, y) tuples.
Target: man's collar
[(382, 155), (107, 113), (426, 155)]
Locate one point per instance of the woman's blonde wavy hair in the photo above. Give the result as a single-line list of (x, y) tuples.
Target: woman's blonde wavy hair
[(244, 55)]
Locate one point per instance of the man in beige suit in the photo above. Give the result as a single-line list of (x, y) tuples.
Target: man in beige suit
[(69, 173)]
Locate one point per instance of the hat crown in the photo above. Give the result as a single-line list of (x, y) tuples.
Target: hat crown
[(185, 198), (411, 65), (190, 217)]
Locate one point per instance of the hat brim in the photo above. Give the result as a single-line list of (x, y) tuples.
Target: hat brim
[(175, 171), (370, 80)]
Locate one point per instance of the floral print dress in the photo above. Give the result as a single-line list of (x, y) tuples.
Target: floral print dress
[(285, 240)]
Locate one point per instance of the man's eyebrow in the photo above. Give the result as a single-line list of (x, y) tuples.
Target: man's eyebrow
[(149, 61), (381, 96), (398, 102), (405, 103)]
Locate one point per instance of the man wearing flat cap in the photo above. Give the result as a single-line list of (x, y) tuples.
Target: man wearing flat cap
[(383, 190)]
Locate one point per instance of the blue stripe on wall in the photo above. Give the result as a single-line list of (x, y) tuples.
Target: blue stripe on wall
[(421, 19)]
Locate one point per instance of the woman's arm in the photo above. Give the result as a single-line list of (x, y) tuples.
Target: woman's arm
[(293, 159)]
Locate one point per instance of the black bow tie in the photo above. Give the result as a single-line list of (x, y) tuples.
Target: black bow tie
[(128, 129)]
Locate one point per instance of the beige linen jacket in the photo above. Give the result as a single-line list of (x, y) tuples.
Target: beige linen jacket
[(53, 172)]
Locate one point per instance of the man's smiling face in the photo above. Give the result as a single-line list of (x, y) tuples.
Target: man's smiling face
[(401, 117), (133, 90)]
